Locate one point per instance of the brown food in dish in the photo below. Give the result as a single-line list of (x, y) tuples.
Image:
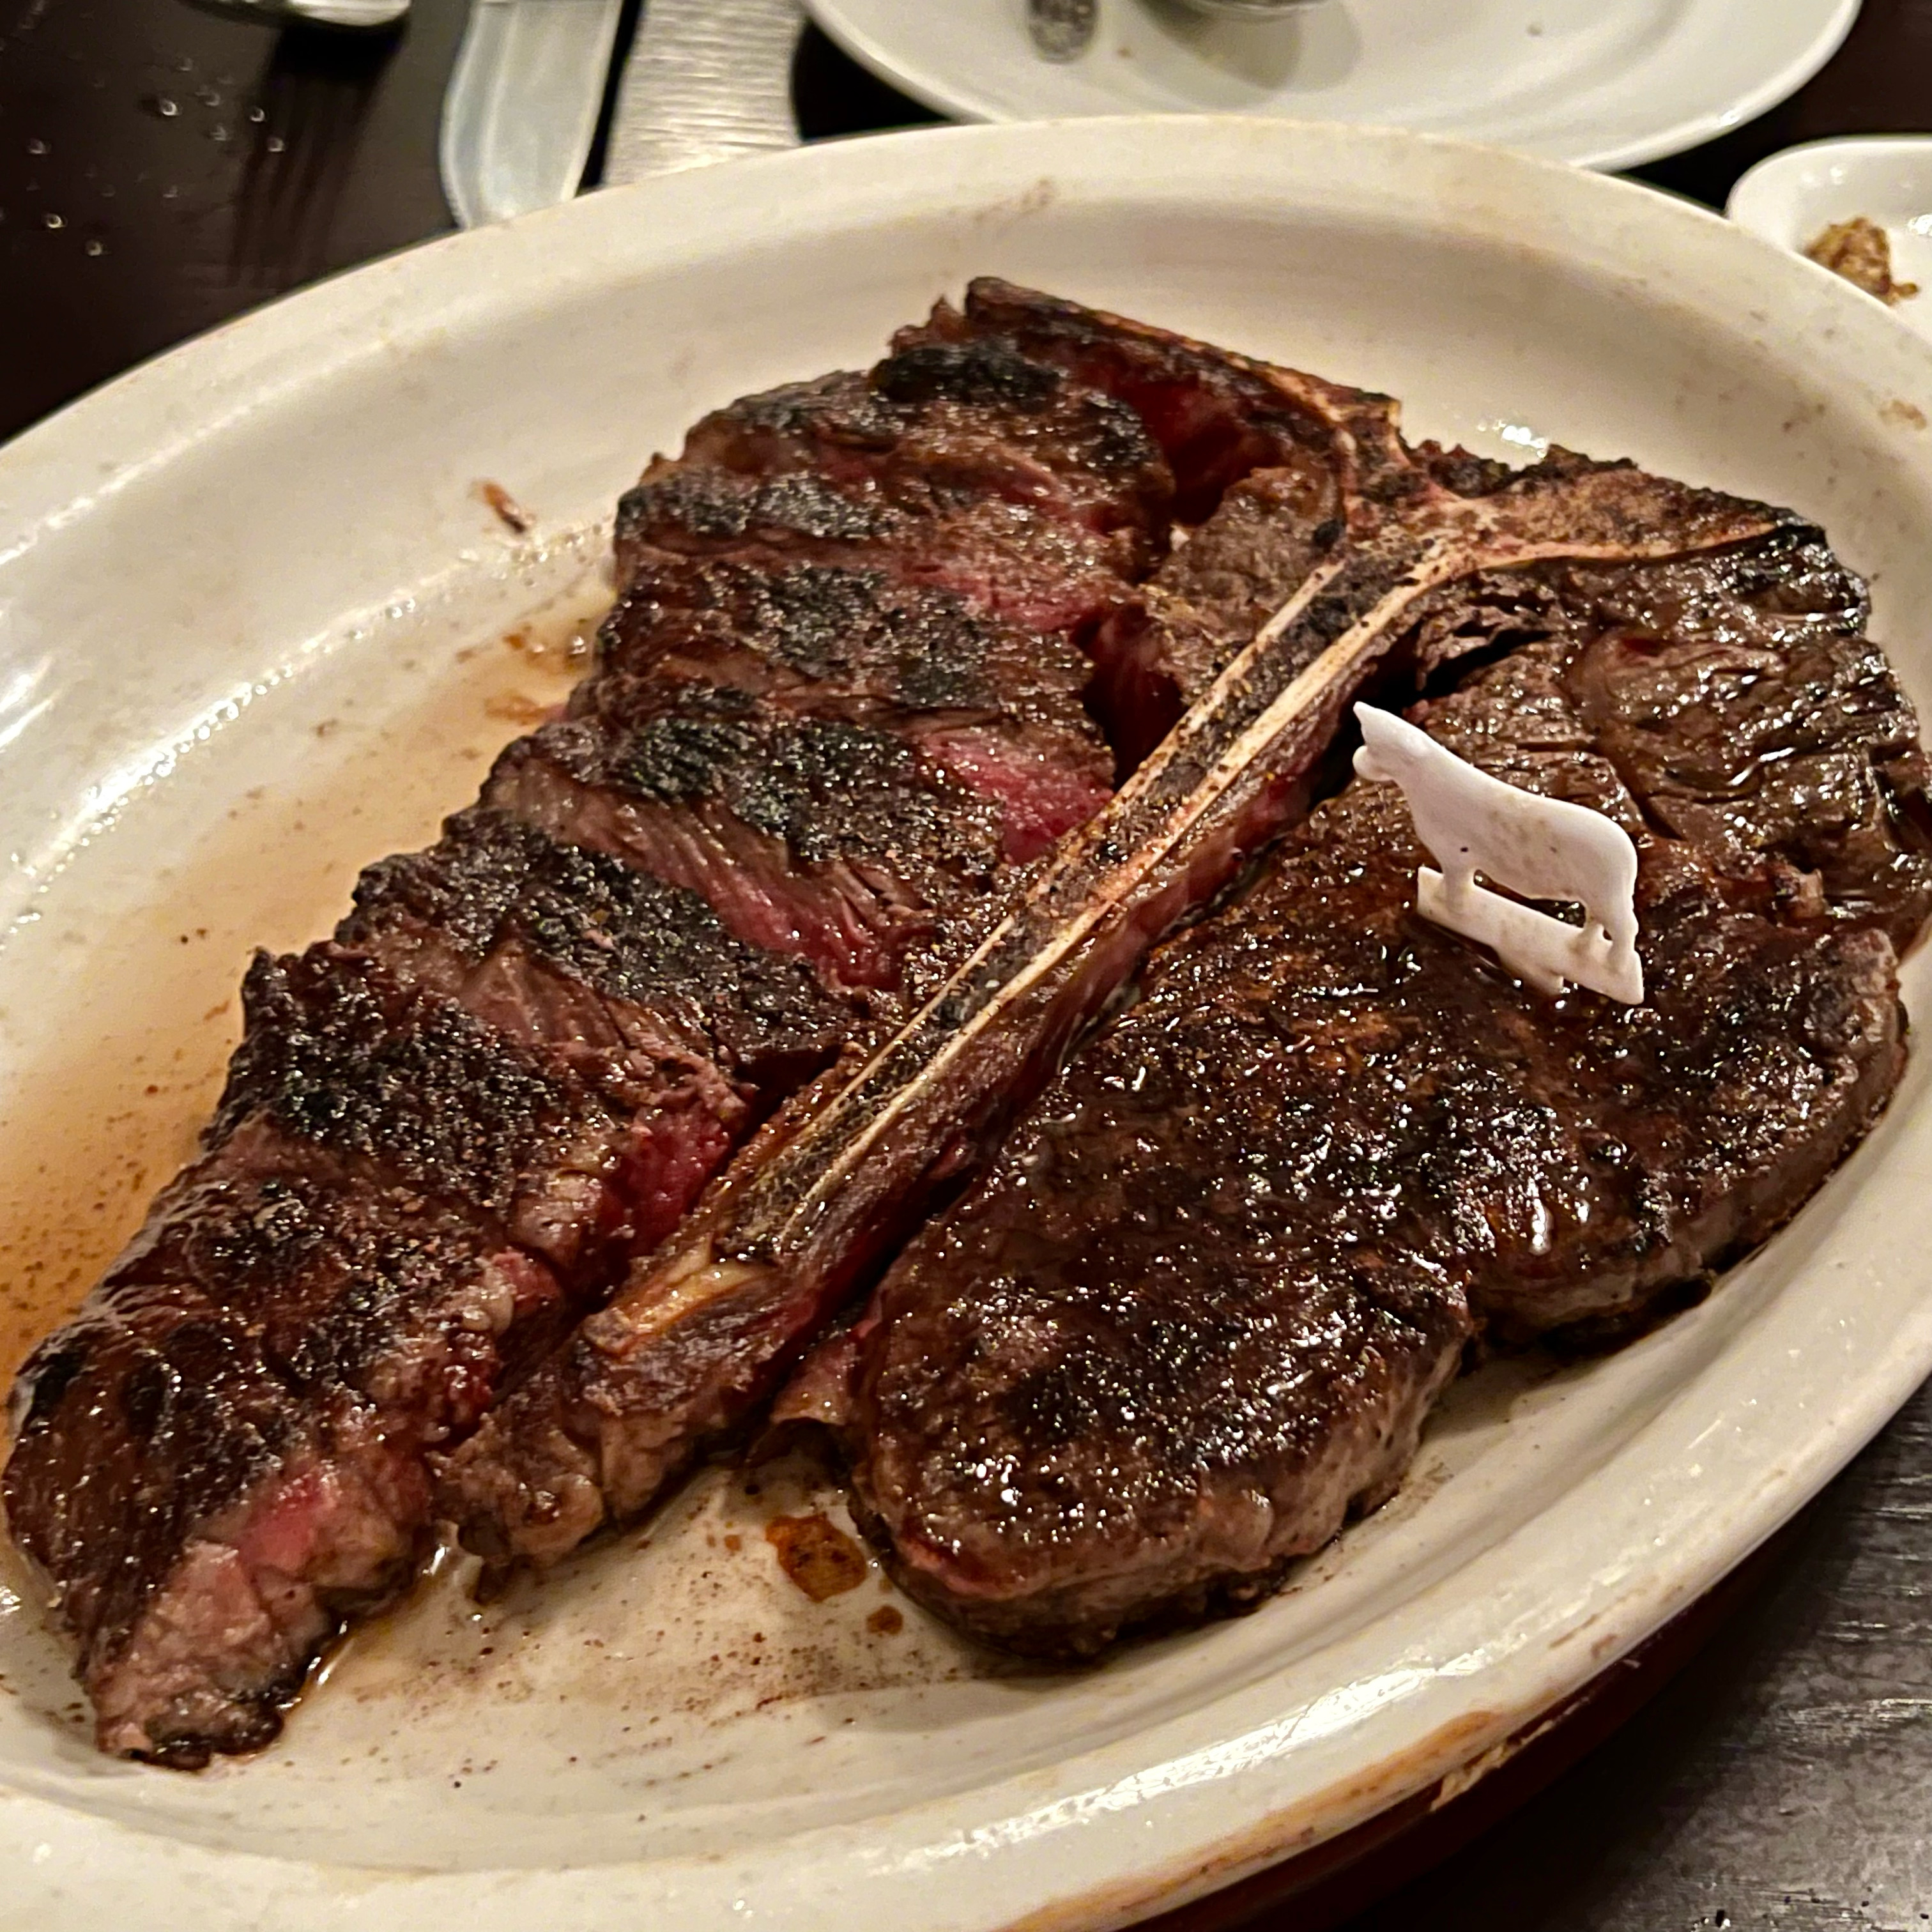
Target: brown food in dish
[(703, 1328), (1860, 250), (805, 895), (837, 708), (838, 704)]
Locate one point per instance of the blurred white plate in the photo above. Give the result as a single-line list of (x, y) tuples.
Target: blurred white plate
[(256, 627), (1606, 83), (1792, 198)]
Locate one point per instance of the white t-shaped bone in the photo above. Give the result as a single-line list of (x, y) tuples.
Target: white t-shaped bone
[(1544, 848)]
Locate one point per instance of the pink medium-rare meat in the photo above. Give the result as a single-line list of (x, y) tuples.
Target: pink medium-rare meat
[(836, 841), (993, 706)]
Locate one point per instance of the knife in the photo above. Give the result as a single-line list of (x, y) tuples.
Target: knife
[(705, 80), (522, 105)]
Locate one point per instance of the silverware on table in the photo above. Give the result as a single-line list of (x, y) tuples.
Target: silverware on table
[(521, 108), (1062, 30), (706, 80)]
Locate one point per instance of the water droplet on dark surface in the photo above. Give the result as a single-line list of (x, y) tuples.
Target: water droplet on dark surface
[(169, 194), (185, 65), (167, 109), (275, 144), (36, 146), (258, 114), (208, 97), (217, 133), (51, 220), (96, 248)]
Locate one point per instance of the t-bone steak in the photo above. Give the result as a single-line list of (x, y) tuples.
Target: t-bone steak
[(703, 1328)]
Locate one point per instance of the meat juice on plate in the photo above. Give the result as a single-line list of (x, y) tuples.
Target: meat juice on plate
[(113, 1088)]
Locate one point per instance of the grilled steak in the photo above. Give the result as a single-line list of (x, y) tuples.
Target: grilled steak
[(1257, 469), (806, 892), (991, 705), (1196, 1312), (705, 1326), (839, 703)]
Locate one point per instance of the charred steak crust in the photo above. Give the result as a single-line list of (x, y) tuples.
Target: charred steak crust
[(1194, 1314), (1216, 416), (496, 896), (992, 705), (1033, 497), (841, 700)]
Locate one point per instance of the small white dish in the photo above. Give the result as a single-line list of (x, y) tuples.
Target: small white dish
[(1604, 83), (1792, 197)]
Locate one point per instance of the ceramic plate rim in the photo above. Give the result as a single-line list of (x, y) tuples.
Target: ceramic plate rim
[(1836, 21)]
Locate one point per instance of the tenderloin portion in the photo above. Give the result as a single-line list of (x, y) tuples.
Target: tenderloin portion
[(1195, 1313)]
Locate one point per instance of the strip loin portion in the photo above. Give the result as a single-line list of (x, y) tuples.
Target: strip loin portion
[(1196, 1313)]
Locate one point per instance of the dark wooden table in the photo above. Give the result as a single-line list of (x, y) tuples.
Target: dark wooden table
[(1766, 1764)]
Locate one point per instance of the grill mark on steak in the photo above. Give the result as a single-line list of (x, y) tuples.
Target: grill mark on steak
[(337, 1050), (816, 837), (1194, 1315), (1002, 557), (995, 707), (704, 1329), (971, 421), (503, 1057), (641, 967), (1031, 496)]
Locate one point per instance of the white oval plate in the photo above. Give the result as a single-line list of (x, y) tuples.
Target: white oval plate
[(251, 624), (1606, 83), (1791, 198)]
